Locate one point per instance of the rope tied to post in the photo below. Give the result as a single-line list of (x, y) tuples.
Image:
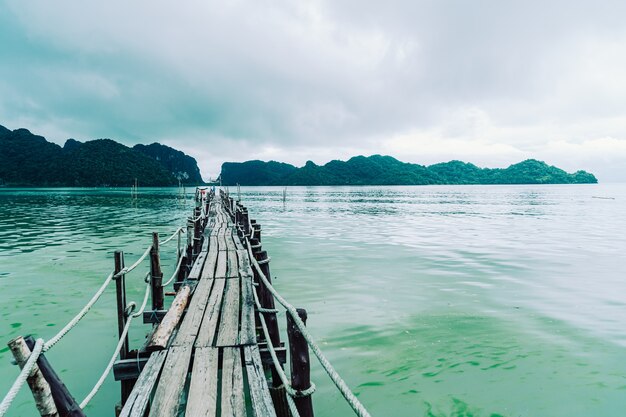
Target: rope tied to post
[(303, 393), (263, 261), (128, 269)]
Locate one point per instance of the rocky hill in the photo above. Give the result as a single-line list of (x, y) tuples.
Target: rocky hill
[(386, 170), (30, 160)]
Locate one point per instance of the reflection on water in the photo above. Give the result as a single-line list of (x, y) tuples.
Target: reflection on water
[(430, 301)]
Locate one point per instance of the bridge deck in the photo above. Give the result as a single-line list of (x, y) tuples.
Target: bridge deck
[(213, 361)]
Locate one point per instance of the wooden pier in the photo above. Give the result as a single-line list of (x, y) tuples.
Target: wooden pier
[(217, 350)]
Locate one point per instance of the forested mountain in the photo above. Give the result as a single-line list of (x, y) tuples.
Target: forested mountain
[(30, 160), (385, 170), (183, 167)]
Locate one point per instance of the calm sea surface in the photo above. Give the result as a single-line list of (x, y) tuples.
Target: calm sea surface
[(430, 301)]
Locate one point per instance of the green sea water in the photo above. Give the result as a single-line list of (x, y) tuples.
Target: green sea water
[(430, 301)]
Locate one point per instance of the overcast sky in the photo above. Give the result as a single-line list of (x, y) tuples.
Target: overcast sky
[(489, 82)]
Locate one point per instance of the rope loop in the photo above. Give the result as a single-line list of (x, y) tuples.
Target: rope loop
[(301, 393), (268, 310), (130, 308), (264, 261)]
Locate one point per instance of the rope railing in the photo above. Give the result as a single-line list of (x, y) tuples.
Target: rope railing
[(180, 230), (128, 269), (72, 323), (175, 274), (343, 388), (118, 348), (42, 346)]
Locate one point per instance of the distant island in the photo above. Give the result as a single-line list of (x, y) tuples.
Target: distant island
[(386, 170), (30, 160)]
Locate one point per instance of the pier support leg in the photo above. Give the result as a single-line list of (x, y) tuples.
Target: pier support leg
[(300, 364), (156, 275), (197, 232), (120, 292), (267, 301)]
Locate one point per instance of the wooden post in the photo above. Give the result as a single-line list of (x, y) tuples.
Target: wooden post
[(66, 404), (300, 364), (189, 247), (256, 279), (257, 231), (156, 276), (37, 383), (267, 301), (245, 221), (120, 293), (181, 271), (197, 239), (206, 210)]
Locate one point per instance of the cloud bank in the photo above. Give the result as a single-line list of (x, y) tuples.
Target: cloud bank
[(488, 82)]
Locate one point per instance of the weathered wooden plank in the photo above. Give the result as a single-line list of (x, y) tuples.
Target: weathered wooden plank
[(167, 397), (232, 269), (208, 327), (221, 238), (196, 269), (202, 399), (259, 392), (228, 333), (211, 260), (247, 332), (140, 395), (222, 265), (238, 244), (233, 400), (190, 325), (212, 242), (162, 335)]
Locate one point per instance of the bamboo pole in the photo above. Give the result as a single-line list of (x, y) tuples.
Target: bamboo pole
[(66, 404), (37, 383)]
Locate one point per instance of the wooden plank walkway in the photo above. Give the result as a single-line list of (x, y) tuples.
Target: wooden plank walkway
[(212, 365)]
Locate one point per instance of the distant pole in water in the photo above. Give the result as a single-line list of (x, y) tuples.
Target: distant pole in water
[(284, 195), (133, 190), (238, 192)]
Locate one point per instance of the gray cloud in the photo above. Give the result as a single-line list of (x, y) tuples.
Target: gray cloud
[(491, 82)]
